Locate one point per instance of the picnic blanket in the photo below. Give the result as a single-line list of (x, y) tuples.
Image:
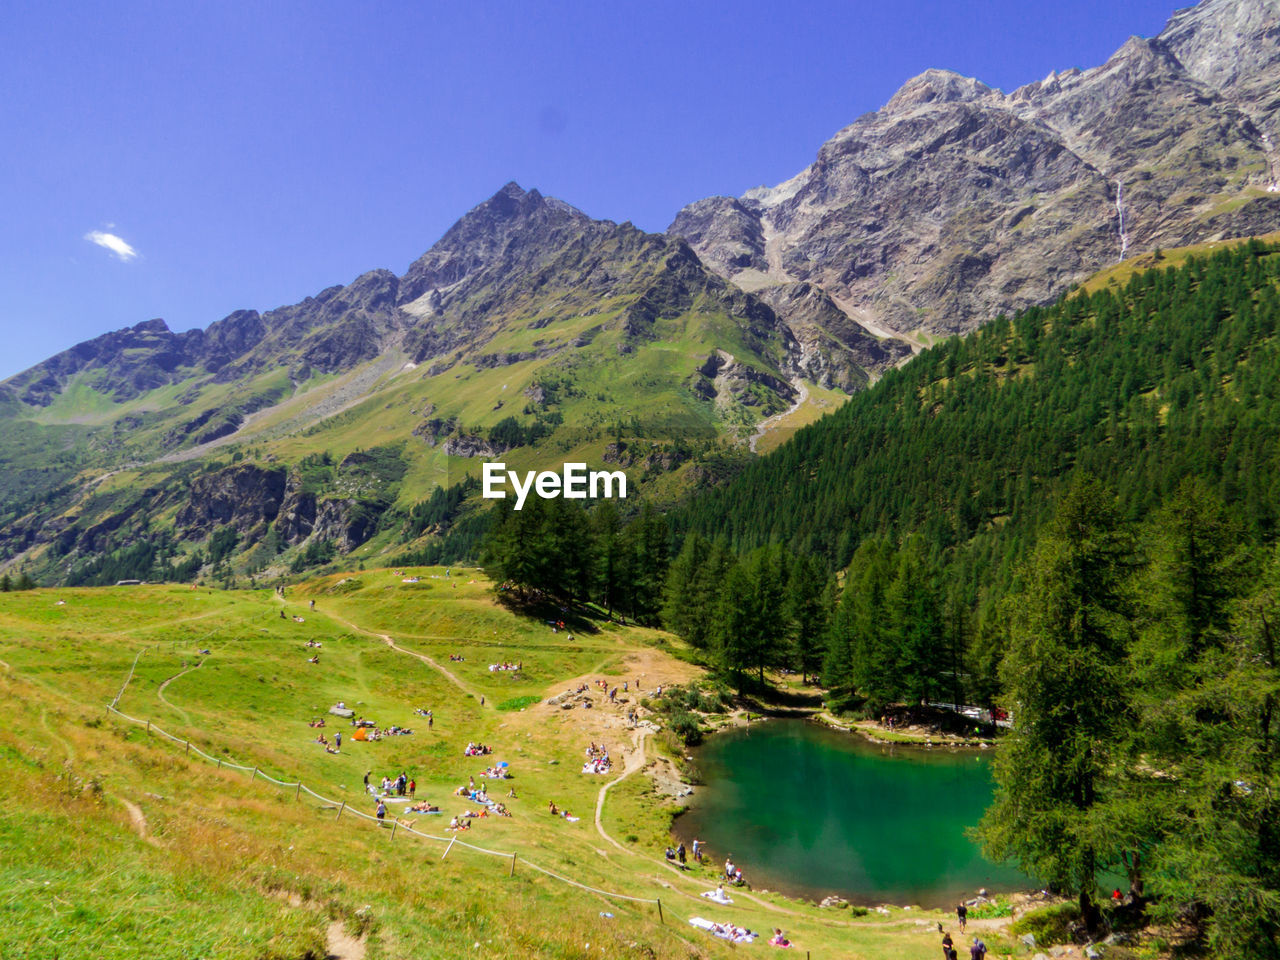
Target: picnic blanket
[(717, 897), (724, 931)]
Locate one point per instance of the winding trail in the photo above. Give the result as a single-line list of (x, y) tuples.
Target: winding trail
[(160, 692), (634, 762), (447, 674)]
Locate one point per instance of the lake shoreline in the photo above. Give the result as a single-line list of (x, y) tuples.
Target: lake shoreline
[(911, 736), (684, 824)]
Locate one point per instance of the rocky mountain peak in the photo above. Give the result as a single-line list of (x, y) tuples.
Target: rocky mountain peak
[(956, 202), (937, 86), (1142, 58), (511, 221)]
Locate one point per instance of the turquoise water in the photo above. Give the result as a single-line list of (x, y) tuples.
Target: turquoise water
[(811, 811)]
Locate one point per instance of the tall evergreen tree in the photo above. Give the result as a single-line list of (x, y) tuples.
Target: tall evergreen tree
[(1065, 681), (1210, 685), (751, 625), (808, 605)]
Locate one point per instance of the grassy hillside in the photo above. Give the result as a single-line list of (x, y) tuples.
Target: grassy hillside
[(116, 840)]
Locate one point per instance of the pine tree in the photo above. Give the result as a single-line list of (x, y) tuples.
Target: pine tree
[(682, 611), (1210, 685), (808, 606), (1065, 682)]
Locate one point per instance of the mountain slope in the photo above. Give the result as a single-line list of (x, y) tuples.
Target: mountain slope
[(535, 333), (529, 331), (956, 202), (1148, 376)]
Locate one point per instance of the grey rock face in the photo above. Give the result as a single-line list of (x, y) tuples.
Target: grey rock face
[(956, 202), (243, 496)]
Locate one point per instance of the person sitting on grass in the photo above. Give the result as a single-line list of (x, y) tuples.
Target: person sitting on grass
[(778, 940)]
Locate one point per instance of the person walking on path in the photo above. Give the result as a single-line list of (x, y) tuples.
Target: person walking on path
[(978, 951), (962, 914), (382, 809)]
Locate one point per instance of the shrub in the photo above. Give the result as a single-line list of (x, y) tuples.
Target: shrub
[(990, 911), (1049, 925), (685, 726)]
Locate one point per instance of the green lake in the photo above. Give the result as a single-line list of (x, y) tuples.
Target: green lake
[(811, 811)]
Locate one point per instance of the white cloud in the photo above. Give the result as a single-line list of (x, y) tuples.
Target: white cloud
[(110, 241)]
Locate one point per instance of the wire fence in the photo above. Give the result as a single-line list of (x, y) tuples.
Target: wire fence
[(345, 810)]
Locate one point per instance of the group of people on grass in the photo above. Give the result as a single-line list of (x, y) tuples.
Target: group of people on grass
[(557, 812), (733, 873), (399, 786), (506, 665), (374, 732), (597, 759), (729, 931), (334, 747)]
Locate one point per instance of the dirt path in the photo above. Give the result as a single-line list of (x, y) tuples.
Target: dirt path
[(138, 819), (635, 761), (447, 674), (340, 945), (165, 700)]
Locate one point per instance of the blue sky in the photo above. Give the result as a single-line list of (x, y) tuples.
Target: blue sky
[(183, 160)]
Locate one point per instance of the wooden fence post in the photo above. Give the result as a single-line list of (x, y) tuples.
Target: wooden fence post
[(340, 809), (188, 748), (448, 848), (513, 866), (297, 794), (660, 920)]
